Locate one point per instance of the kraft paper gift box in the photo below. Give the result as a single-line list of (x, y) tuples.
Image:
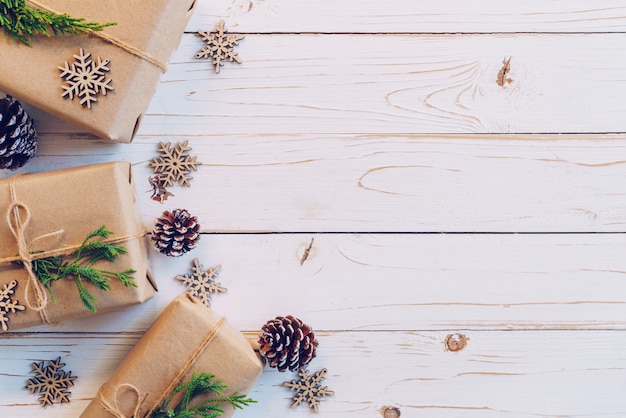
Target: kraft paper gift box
[(187, 338), (138, 48), (57, 210)]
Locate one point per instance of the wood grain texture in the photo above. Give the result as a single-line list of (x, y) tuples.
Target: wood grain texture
[(394, 84), (393, 16), (499, 374), (397, 84), (365, 183), (388, 282), (352, 134)]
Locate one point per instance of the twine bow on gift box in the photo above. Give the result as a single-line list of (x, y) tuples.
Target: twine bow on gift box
[(26, 256), (18, 216), (114, 408)]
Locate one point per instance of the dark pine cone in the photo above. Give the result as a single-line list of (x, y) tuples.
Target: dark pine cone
[(18, 138), (176, 232), (287, 343)]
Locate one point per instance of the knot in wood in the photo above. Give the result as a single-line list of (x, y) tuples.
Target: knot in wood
[(390, 412), (456, 342)]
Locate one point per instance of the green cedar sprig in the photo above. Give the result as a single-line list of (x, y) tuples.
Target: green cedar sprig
[(93, 249), (198, 385), (23, 23)]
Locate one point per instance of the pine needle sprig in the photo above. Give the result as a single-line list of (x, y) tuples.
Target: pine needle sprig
[(93, 249), (201, 384), (23, 23)]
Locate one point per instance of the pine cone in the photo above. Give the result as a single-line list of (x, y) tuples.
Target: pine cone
[(176, 232), (18, 138), (287, 342)]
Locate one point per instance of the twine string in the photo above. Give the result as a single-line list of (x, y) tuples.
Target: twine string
[(144, 55), (113, 408), (18, 228)]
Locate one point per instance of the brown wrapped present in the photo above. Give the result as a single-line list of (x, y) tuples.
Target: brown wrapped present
[(186, 339), (51, 214), (137, 49)]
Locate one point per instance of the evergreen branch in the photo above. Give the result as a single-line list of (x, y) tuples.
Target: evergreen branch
[(203, 383), (81, 270), (23, 23), (87, 298)]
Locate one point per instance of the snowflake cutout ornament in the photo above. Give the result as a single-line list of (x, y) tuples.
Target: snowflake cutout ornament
[(50, 382), (309, 389), (174, 164), (85, 79), (159, 193), (7, 304), (201, 283), (219, 46)]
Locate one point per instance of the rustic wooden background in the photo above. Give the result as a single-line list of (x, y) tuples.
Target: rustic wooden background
[(440, 200)]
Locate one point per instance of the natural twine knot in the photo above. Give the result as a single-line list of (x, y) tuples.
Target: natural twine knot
[(18, 225), (114, 409)]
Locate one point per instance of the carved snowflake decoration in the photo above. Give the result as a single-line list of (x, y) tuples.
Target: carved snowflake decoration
[(201, 283), (309, 389), (159, 193), (50, 382), (85, 79), (219, 46), (7, 304), (174, 164)]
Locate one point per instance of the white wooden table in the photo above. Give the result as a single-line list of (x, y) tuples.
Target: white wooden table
[(438, 202)]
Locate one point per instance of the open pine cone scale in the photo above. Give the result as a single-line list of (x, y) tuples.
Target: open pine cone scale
[(18, 138)]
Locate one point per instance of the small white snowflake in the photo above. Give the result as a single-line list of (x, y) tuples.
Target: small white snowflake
[(7, 304), (309, 389), (201, 283), (85, 79), (174, 164), (219, 46), (50, 382)]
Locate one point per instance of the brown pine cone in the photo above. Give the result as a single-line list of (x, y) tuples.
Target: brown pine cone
[(287, 343), (176, 232), (18, 138)]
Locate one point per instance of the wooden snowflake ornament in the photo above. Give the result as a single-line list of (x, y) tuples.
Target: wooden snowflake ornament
[(201, 283), (7, 304), (219, 46), (174, 164), (309, 389), (50, 382), (85, 79), (159, 193)]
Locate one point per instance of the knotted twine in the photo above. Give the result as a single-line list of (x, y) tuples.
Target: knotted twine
[(114, 407), (18, 226), (144, 55), (26, 254)]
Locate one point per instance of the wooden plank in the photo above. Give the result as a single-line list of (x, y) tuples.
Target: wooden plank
[(393, 16), (364, 183), (498, 374), (397, 84), (399, 282), (394, 84)]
